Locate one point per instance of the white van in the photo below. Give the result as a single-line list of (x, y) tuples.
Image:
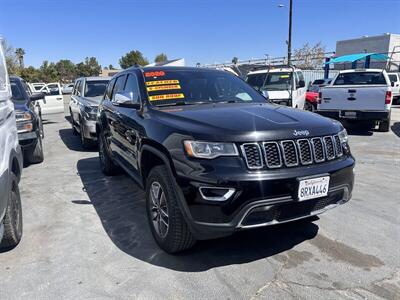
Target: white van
[(10, 165), (284, 86)]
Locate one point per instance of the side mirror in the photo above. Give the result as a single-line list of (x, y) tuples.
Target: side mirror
[(392, 83), (302, 84), (37, 96), (126, 99)]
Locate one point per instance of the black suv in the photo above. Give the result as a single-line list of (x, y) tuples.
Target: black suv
[(29, 120), (214, 157)]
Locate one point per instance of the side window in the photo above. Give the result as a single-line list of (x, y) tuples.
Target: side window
[(301, 76), (296, 78), (131, 85), (119, 85), (108, 93), (77, 87), (26, 88)]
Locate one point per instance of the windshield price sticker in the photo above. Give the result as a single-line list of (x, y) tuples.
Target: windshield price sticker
[(161, 82), (164, 87), (154, 74), (284, 76), (167, 97)]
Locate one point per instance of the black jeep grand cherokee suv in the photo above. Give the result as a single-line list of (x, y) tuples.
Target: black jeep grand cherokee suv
[(214, 157)]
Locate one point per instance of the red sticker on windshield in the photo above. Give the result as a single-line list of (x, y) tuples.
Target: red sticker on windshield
[(154, 74)]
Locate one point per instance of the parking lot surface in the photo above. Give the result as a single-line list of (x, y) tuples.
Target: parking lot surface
[(87, 236)]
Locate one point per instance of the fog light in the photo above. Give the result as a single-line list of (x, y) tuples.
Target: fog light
[(216, 193)]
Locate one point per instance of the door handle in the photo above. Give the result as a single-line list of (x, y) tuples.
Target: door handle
[(351, 98), (352, 91)]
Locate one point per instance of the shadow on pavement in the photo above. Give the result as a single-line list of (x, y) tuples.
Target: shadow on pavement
[(120, 205), (396, 128), (72, 141)]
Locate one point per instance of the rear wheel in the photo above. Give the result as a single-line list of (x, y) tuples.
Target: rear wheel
[(384, 126), (13, 218), (167, 223), (35, 155), (107, 165)]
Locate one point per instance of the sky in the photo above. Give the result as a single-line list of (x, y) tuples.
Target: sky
[(204, 31)]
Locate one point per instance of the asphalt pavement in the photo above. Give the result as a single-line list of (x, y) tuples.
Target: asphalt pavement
[(87, 236)]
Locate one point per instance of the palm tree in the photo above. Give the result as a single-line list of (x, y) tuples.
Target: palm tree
[(20, 56)]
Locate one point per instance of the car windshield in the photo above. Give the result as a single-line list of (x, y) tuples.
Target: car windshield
[(314, 88), (95, 88), (356, 78), (276, 81), (17, 95), (175, 87)]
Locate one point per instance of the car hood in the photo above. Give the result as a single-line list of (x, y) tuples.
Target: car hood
[(93, 101), (246, 122)]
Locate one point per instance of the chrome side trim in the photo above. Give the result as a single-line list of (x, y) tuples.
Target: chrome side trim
[(245, 156)]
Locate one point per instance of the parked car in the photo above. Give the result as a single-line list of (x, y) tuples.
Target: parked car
[(85, 99), (358, 95), (313, 93), (285, 86), (395, 83), (215, 157), (67, 88), (29, 120), (10, 166), (53, 101)]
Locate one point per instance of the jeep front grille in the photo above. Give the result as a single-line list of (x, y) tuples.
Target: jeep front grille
[(291, 153)]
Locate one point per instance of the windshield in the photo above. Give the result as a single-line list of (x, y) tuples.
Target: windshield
[(314, 88), (95, 88), (276, 81), (17, 95), (174, 87), (357, 78)]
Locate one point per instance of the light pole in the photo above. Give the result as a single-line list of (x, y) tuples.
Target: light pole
[(289, 41)]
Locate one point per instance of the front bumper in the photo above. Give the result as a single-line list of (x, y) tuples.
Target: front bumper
[(27, 139), (359, 115), (261, 198), (89, 129)]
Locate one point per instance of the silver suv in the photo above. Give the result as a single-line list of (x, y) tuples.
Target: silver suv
[(10, 165)]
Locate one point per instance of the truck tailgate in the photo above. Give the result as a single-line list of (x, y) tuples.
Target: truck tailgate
[(364, 98)]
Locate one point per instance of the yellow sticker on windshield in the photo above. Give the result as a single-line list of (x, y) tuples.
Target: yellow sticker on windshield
[(284, 76), (161, 82), (164, 87), (166, 97)]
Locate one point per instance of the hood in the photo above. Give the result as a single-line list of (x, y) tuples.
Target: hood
[(93, 101), (246, 122), (278, 95)]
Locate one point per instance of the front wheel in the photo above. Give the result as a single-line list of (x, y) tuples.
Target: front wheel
[(86, 143), (107, 165), (13, 218), (167, 223), (34, 155)]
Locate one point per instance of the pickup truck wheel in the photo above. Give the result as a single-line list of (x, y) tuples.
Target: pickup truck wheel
[(35, 155), (384, 126), (167, 223), (13, 218), (107, 165), (86, 143)]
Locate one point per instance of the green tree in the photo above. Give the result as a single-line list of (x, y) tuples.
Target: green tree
[(90, 67), (111, 67), (19, 52), (48, 72), (30, 74), (235, 60), (161, 58), (133, 58), (66, 70)]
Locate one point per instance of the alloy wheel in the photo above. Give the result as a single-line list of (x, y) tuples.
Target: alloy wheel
[(159, 209)]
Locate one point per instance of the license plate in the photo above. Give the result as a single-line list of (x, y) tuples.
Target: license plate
[(313, 188), (349, 114)]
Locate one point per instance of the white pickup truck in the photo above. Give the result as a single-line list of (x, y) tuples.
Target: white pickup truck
[(360, 95)]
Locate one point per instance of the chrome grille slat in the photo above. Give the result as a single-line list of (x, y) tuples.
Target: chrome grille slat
[(291, 153)]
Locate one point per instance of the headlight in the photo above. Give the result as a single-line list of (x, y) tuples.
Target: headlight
[(23, 116), (91, 112), (209, 150), (343, 136)]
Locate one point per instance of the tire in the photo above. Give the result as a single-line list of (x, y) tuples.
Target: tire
[(162, 207), (74, 131), (309, 107), (34, 155), (86, 143), (384, 126), (13, 218), (107, 165)]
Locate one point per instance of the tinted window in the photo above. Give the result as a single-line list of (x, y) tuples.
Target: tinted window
[(26, 87), (95, 88), (131, 85), (360, 78), (256, 80), (119, 85), (109, 90), (16, 92), (319, 81), (202, 86), (392, 77), (77, 87)]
